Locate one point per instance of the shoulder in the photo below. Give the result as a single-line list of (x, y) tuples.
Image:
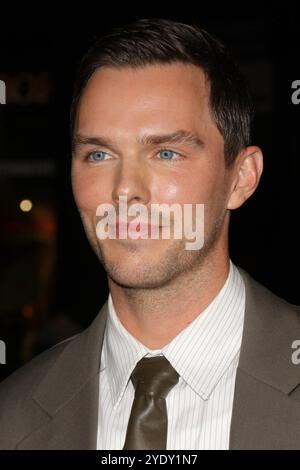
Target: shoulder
[(261, 297), (20, 385), (17, 407), (36, 391)]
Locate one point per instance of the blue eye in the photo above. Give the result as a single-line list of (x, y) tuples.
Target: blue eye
[(167, 154), (96, 156)]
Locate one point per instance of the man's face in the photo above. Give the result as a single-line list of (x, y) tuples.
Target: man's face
[(122, 106)]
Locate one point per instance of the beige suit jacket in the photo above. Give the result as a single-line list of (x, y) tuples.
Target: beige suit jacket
[(52, 402)]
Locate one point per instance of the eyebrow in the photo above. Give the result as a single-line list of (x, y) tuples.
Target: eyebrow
[(178, 137)]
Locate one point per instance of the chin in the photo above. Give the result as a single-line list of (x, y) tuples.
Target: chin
[(132, 255), (143, 268), (134, 280), (134, 271)]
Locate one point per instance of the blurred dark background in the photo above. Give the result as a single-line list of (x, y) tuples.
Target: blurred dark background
[(51, 284)]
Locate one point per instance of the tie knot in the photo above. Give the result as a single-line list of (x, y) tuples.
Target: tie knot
[(154, 376)]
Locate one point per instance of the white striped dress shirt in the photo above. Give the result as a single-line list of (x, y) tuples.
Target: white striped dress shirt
[(205, 354)]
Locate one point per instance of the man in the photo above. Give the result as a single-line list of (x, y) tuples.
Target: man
[(189, 352)]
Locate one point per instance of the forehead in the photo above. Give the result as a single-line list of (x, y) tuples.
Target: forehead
[(176, 94)]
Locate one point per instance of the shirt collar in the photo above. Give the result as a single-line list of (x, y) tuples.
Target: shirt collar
[(204, 350), (201, 353)]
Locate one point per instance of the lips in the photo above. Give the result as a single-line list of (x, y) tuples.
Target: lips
[(135, 231)]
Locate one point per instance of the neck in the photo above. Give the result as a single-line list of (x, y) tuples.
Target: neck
[(156, 316)]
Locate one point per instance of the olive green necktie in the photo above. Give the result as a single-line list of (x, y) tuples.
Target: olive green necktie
[(152, 379)]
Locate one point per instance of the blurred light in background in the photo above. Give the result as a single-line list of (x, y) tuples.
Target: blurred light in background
[(25, 205)]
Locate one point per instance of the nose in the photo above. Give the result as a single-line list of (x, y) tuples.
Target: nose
[(131, 180)]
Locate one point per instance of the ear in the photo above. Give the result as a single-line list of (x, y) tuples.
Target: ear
[(246, 175)]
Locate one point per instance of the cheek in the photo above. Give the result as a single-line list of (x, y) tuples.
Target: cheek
[(88, 191), (201, 186), (191, 187)]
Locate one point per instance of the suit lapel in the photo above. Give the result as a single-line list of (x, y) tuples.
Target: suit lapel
[(73, 427), (266, 408), (69, 395)]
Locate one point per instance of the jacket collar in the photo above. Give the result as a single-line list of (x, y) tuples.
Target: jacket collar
[(68, 395), (266, 411), (270, 327)]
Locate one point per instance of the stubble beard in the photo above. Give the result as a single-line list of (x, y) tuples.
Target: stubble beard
[(176, 261)]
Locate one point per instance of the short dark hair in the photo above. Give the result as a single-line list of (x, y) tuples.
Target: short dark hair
[(162, 41)]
